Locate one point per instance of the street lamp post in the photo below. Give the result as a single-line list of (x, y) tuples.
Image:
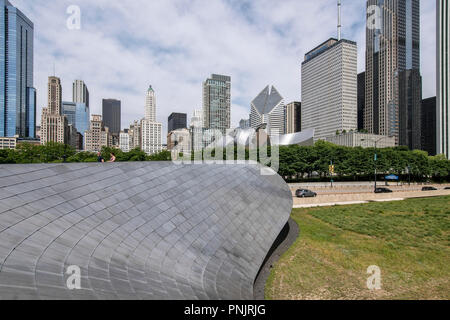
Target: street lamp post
[(409, 175), (375, 160)]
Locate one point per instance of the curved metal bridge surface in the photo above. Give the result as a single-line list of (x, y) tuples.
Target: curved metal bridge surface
[(145, 230)]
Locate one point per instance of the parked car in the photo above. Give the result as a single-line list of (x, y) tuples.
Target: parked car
[(383, 190), (447, 188), (429, 189), (305, 193)]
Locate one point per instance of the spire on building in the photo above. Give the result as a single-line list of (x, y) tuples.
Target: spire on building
[(339, 20)]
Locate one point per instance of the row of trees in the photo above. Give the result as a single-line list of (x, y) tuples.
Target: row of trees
[(358, 163), (296, 162), (57, 153)]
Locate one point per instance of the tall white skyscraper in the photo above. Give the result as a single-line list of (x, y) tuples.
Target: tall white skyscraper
[(197, 130), (329, 88), (150, 105), (151, 130), (443, 75)]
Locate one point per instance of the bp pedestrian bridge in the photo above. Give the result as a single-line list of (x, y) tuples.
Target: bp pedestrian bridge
[(147, 230)]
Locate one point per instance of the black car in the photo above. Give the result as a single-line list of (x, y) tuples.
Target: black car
[(447, 188), (429, 189), (305, 193), (383, 190)]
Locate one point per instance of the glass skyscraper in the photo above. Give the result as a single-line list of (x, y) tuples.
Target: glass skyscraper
[(77, 115), (393, 48), (82, 118), (69, 109), (217, 103), (17, 95)]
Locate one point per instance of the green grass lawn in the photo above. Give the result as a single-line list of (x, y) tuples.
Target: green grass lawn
[(408, 240)]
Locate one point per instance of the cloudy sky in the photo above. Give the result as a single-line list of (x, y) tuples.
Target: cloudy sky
[(123, 46)]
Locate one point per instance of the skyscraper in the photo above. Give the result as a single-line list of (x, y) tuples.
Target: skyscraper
[(244, 124), (80, 96), (329, 88), (410, 109), (124, 141), (150, 105), (293, 117), (82, 117), (112, 115), (17, 95), (98, 136), (54, 125), (135, 133), (197, 129), (269, 108), (80, 92), (428, 126), (77, 114), (443, 77), (69, 109), (151, 130), (177, 121), (361, 99), (392, 47), (217, 103)]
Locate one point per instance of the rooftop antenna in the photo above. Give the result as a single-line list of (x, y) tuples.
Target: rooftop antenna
[(339, 20)]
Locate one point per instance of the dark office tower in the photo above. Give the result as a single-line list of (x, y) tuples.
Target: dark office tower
[(443, 77), (361, 99), (112, 115), (392, 46), (17, 95), (410, 105), (177, 121), (429, 126)]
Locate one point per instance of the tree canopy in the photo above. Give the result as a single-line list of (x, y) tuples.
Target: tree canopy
[(296, 162)]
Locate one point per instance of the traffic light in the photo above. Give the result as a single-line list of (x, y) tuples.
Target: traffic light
[(332, 169)]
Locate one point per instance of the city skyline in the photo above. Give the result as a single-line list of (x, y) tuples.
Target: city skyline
[(165, 52)]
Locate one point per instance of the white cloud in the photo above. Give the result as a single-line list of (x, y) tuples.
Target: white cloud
[(124, 46)]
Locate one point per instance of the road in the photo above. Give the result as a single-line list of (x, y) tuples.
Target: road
[(352, 195)]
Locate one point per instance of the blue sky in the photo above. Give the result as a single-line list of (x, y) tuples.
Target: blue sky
[(123, 46)]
